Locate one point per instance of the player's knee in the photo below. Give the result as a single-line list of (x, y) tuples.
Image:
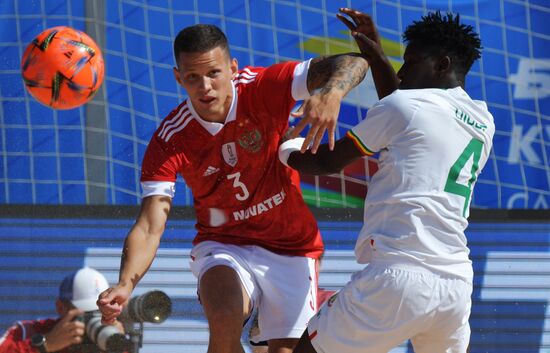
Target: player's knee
[(225, 322)]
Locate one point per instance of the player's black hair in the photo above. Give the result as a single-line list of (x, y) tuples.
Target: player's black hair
[(445, 35), (199, 38)]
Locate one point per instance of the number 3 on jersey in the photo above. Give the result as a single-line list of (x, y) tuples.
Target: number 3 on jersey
[(452, 186), (243, 194)]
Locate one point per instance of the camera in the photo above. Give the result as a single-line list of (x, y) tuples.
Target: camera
[(105, 337), (154, 306)]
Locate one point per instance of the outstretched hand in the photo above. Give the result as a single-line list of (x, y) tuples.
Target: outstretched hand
[(363, 31), (320, 111), (110, 303)]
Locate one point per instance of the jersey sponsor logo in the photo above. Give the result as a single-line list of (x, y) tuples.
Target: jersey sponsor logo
[(229, 152), (251, 141), (210, 170), (259, 208)]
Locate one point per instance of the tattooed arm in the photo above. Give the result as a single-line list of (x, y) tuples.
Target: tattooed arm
[(140, 248), (329, 79), (336, 73)]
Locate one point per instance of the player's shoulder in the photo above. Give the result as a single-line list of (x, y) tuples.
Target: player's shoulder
[(247, 75), (180, 108), (400, 102), (250, 74), (26, 326), (174, 122), (415, 95), (411, 100)]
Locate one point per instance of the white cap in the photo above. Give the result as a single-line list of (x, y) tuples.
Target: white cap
[(82, 288)]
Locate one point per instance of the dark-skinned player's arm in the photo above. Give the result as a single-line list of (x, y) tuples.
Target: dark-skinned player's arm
[(329, 79), (324, 161), (367, 38)]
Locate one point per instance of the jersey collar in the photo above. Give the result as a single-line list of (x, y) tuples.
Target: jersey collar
[(213, 127)]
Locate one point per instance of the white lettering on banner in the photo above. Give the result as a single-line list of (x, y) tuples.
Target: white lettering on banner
[(530, 82), (261, 207), (540, 202), (515, 197), (520, 143)]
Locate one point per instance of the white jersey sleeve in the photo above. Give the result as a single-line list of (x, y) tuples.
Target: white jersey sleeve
[(384, 121)]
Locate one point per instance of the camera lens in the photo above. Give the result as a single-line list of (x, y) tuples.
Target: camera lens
[(154, 306), (106, 337)]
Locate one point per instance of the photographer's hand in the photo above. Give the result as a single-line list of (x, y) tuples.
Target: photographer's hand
[(111, 302), (66, 332)]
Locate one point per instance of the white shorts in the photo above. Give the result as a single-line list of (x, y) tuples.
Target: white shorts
[(282, 288), (382, 307)]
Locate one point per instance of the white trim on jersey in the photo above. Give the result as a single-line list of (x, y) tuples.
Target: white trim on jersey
[(169, 123), (246, 70), (182, 124), (23, 330), (162, 188), (245, 76), (299, 82), (213, 127), (245, 80), (176, 126)]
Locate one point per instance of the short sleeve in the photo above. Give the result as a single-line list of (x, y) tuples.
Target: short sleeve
[(273, 89), (299, 82), (384, 122), (159, 169)]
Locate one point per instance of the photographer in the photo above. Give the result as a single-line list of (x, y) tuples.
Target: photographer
[(77, 297)]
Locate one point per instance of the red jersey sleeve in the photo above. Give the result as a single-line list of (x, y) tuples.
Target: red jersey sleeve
[(17, 338), (12, 342), (273, 89), (158, 164)]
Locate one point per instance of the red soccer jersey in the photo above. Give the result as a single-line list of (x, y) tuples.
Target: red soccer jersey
[(17, 338), (242, 193)]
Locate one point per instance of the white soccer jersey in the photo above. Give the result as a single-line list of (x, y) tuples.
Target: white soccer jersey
[(433, 144)]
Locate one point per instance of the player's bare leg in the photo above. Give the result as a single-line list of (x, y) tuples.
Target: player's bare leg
[(283, 345), (226, 304), (304, 345)]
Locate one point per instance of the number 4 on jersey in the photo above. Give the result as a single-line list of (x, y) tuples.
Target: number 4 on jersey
[(452, 186)]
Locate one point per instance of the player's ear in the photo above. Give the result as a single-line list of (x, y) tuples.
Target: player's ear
[(234, 68), (444, 64), (177, 75), (60, 307)]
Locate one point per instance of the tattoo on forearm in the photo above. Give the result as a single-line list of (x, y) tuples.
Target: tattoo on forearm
[(340, 72)]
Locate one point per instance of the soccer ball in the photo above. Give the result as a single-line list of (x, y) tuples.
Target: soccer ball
[(62, 68)]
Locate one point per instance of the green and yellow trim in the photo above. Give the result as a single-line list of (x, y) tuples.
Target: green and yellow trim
[(357, 141)]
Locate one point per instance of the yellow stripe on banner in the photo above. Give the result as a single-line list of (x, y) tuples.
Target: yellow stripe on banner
[(359, 144)]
